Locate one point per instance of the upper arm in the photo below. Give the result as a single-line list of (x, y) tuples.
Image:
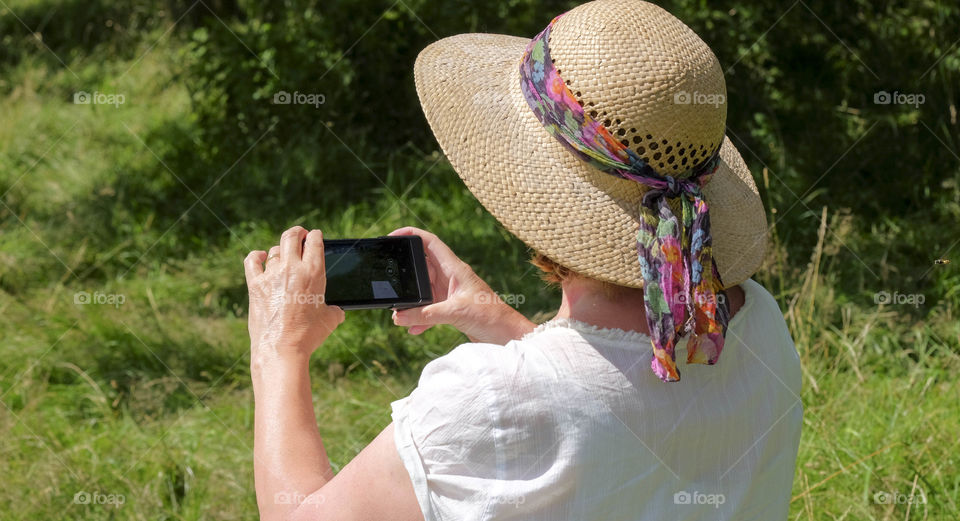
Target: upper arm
[(374, 485)]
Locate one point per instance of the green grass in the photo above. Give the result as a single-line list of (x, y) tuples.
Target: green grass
[(151, 399)]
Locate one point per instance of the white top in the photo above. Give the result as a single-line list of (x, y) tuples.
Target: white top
[(570, 423)]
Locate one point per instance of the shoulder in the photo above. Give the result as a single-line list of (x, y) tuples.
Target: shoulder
[(756, 292), (455, 396), (463, 368), (760, 307), (475, 390), (450, 428), (492, 365), (467, 372), (760, 326), (473, 355), (473, 425)]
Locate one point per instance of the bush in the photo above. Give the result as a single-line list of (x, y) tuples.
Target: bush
[(801, 82)]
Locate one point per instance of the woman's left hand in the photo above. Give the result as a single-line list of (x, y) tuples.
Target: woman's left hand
[(289, 318)]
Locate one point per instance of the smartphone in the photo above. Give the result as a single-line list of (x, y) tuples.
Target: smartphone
[(383, 272)]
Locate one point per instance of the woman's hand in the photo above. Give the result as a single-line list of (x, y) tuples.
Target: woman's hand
[(460, 299), (288, 315)]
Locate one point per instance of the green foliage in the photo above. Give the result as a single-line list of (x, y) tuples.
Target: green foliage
[(801, 81), (359, 55), (58, 32)]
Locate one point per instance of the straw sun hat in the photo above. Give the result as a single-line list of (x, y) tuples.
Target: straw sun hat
[(654, 85)]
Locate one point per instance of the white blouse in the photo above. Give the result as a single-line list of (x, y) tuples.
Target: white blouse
[(570, 423)]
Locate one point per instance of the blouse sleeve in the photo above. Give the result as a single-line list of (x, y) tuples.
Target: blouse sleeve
[(446, 433)]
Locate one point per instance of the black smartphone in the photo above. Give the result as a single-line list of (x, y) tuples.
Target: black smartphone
[(384, 272)]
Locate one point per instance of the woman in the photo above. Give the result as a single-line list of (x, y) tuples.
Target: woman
[(599, 143)]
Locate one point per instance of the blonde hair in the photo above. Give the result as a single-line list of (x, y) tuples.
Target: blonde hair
[(554, 274)]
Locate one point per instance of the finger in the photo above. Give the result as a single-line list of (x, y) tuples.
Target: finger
[(341, 315), (273, 257), (313, 252), (253, 264), (291, 244), (413, 329), (419, 316), (432, 244), (406, 230), (416, 330)]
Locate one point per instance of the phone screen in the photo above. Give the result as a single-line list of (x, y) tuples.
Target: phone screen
[(367, 271)]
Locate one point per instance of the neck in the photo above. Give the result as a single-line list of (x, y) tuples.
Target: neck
[(584, 300)]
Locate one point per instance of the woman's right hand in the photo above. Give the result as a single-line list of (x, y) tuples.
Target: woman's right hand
[(460, 298)]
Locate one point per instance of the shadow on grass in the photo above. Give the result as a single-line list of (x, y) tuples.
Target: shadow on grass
[(186, 198), (147, 371)]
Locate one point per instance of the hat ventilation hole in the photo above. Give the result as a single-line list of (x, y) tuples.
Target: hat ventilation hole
[(673, 158), (667, 158), (576, 94)]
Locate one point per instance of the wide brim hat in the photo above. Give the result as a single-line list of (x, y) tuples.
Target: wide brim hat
[(657, 86)]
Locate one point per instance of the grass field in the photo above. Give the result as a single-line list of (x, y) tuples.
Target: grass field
[(124, 375)]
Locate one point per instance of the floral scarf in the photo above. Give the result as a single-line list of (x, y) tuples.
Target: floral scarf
[(672, 251)]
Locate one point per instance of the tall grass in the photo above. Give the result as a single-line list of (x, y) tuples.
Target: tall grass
[(880, 400)]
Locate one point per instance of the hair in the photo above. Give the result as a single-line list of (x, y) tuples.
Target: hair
[(554, 274)]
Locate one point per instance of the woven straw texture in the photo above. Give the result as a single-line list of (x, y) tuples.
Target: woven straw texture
[(651, 80)]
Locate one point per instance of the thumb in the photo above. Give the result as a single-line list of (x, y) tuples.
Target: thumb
[(428, 315), (416, 330)]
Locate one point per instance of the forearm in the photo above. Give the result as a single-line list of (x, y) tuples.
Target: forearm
[(508, 324), (290, 461)]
